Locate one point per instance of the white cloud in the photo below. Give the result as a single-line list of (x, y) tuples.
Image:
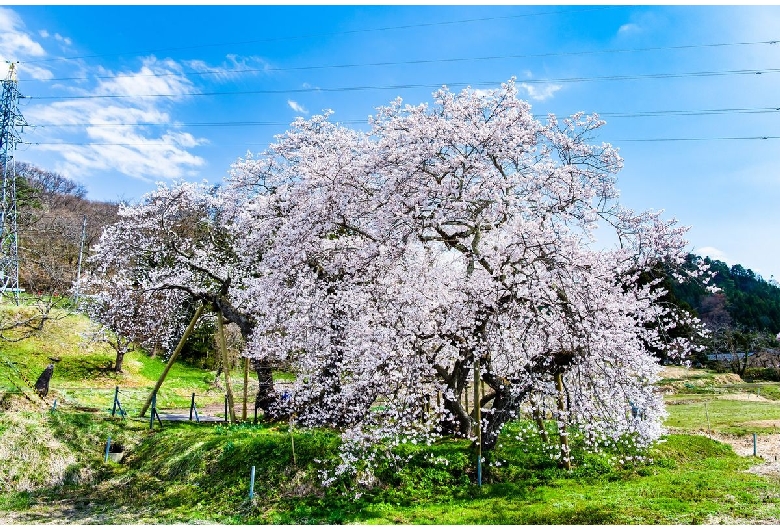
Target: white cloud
[(116, 138), (232, 68), (537, 92), (297, 107), (16, 44), (627, 29), (107, 134), (154, 77), (540, 92), (713, 253), (62, 39)]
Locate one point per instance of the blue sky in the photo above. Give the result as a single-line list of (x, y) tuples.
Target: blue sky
[(696, 124)]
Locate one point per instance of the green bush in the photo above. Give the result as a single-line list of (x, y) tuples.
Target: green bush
[(761, 374)]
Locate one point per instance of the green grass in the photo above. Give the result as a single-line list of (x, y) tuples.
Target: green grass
[(725, 416), (83, 377), (199, 473), (52, 468)]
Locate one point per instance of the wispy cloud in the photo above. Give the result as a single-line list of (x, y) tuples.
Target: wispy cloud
[(154, 77), (118, 135), (626, 29), (233, 67), (297, 107), (62, 39), (17, 44), (540, 92), (713, 253), (537, 92)]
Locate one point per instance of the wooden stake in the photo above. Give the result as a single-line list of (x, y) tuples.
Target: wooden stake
[(170, 361), (226, 367), (246, 387), (478, 418)]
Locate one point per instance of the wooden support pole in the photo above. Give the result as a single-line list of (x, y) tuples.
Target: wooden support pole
[(154, 410), (246, 387), (478, 418), (226, 368), (175, 354)]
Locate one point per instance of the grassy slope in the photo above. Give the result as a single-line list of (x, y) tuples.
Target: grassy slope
[(84, 378), (51, 467)]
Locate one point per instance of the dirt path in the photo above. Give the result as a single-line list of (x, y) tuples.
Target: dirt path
[(767, 447)]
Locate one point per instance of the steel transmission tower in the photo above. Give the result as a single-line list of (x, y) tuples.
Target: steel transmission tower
[(10, 131)]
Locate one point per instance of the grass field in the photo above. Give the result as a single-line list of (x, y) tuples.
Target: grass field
[(52, 467), (83, 377)]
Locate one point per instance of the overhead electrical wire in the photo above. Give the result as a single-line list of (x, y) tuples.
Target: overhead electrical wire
[(636, 114), (332, 34), (418, 85), (411, 62)]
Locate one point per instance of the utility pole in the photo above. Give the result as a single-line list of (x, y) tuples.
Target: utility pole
[(11, 124), (81, 253)]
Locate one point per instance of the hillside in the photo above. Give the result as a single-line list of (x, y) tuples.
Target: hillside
[(52, 467), (746, 300)]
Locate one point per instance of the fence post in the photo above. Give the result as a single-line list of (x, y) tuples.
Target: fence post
[(108, 446), (116, 399), (226, 407), (252, 483), (754, 445), (192, 405)]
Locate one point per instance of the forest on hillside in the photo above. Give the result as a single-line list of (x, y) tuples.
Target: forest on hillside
[(56, 221), (745, 301)]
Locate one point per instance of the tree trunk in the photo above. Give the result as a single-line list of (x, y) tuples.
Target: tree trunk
[(537, 415), (266, 396), (120, 357), (460, 424)]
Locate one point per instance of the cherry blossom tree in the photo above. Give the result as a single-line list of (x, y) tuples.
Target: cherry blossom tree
[(400, 270), (448, 239), (170, 252)]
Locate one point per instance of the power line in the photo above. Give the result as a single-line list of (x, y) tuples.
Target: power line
[(717, 138), (635, 114), (414, 62), (419, 85), (619, 140), (319, 35)]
